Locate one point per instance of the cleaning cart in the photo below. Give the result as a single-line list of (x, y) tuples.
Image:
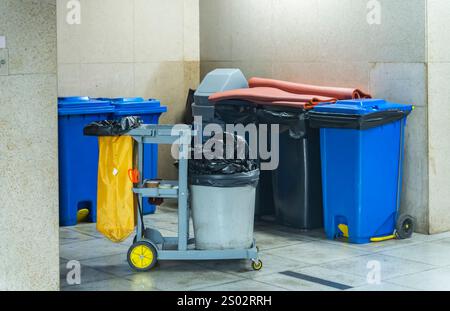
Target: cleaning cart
[(150, 245)]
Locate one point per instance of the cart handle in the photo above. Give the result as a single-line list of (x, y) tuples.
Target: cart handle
[(134, 175)]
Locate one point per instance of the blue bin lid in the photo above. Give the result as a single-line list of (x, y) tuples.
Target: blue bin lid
[(83, 105), (140, 111), (137, 106), (361, 107), (134, 102)]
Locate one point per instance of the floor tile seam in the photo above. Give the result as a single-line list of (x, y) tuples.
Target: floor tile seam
[(411, 260)]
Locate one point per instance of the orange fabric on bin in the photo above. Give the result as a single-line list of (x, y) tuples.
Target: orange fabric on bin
[(288, 94), (269, 95), (299, 88), (304, 105)]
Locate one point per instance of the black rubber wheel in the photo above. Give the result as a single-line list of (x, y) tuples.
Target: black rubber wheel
[(142, 256), (405, 226)]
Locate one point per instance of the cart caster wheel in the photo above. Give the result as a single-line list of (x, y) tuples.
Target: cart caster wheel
[(405, 227), (257, 265), (142, 256)]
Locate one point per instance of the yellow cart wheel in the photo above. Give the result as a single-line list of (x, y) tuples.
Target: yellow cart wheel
[(257, 265), (142, 256)]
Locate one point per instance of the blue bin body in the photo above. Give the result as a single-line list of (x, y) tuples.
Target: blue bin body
[(150, 112), (362, 172), (78, 156)]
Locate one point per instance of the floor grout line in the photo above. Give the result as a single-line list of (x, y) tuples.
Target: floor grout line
[(411, 260), (410, 274), (226, 283), (83, 233), (93, 281), (279, 286), (406, 286)]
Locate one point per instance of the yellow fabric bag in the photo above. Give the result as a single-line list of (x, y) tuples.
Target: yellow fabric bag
[(115, 199)]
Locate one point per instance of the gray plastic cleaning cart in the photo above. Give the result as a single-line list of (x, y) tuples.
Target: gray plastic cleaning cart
[(150, 245)]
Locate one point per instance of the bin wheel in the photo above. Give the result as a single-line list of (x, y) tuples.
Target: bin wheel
[(257, 265), (405, 227), (142, 256)]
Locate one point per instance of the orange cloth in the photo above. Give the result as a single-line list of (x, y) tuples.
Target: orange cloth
[(270, 95), (288, 94), (299, 88)]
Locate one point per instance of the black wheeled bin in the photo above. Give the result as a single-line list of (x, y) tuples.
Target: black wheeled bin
[(297, 182), (293, 191)]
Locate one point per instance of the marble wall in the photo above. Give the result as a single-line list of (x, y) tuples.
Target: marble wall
[(142, 48), (330, 42), (29, 251), (439, 113)]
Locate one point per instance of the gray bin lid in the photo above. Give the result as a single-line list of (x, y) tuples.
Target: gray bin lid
[(219, 80)]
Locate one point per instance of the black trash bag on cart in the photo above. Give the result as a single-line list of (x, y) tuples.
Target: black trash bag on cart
[(112, 127), (217, 158)]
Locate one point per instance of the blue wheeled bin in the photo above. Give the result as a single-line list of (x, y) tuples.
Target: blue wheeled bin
[(150, 111), (362, 146), (78, 156)]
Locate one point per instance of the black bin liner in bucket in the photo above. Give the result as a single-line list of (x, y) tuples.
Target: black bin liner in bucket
[(220, 170), (226, 181)]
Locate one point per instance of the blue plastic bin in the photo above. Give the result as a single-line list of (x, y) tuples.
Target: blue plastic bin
[(78, 156), (362, 146), (150, 112)]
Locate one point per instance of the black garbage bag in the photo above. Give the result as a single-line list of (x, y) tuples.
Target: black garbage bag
[(236, 112), (226, 181), (188, 118), (112, 127), (216, 157), (223, 167), (290, 119), (245, 112)]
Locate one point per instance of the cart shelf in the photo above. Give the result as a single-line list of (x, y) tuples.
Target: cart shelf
[(170, 193)]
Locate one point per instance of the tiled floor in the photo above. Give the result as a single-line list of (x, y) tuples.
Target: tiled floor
[(311, 263)]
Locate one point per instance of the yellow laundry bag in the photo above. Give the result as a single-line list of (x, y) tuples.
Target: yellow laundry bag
[(115, 199)]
